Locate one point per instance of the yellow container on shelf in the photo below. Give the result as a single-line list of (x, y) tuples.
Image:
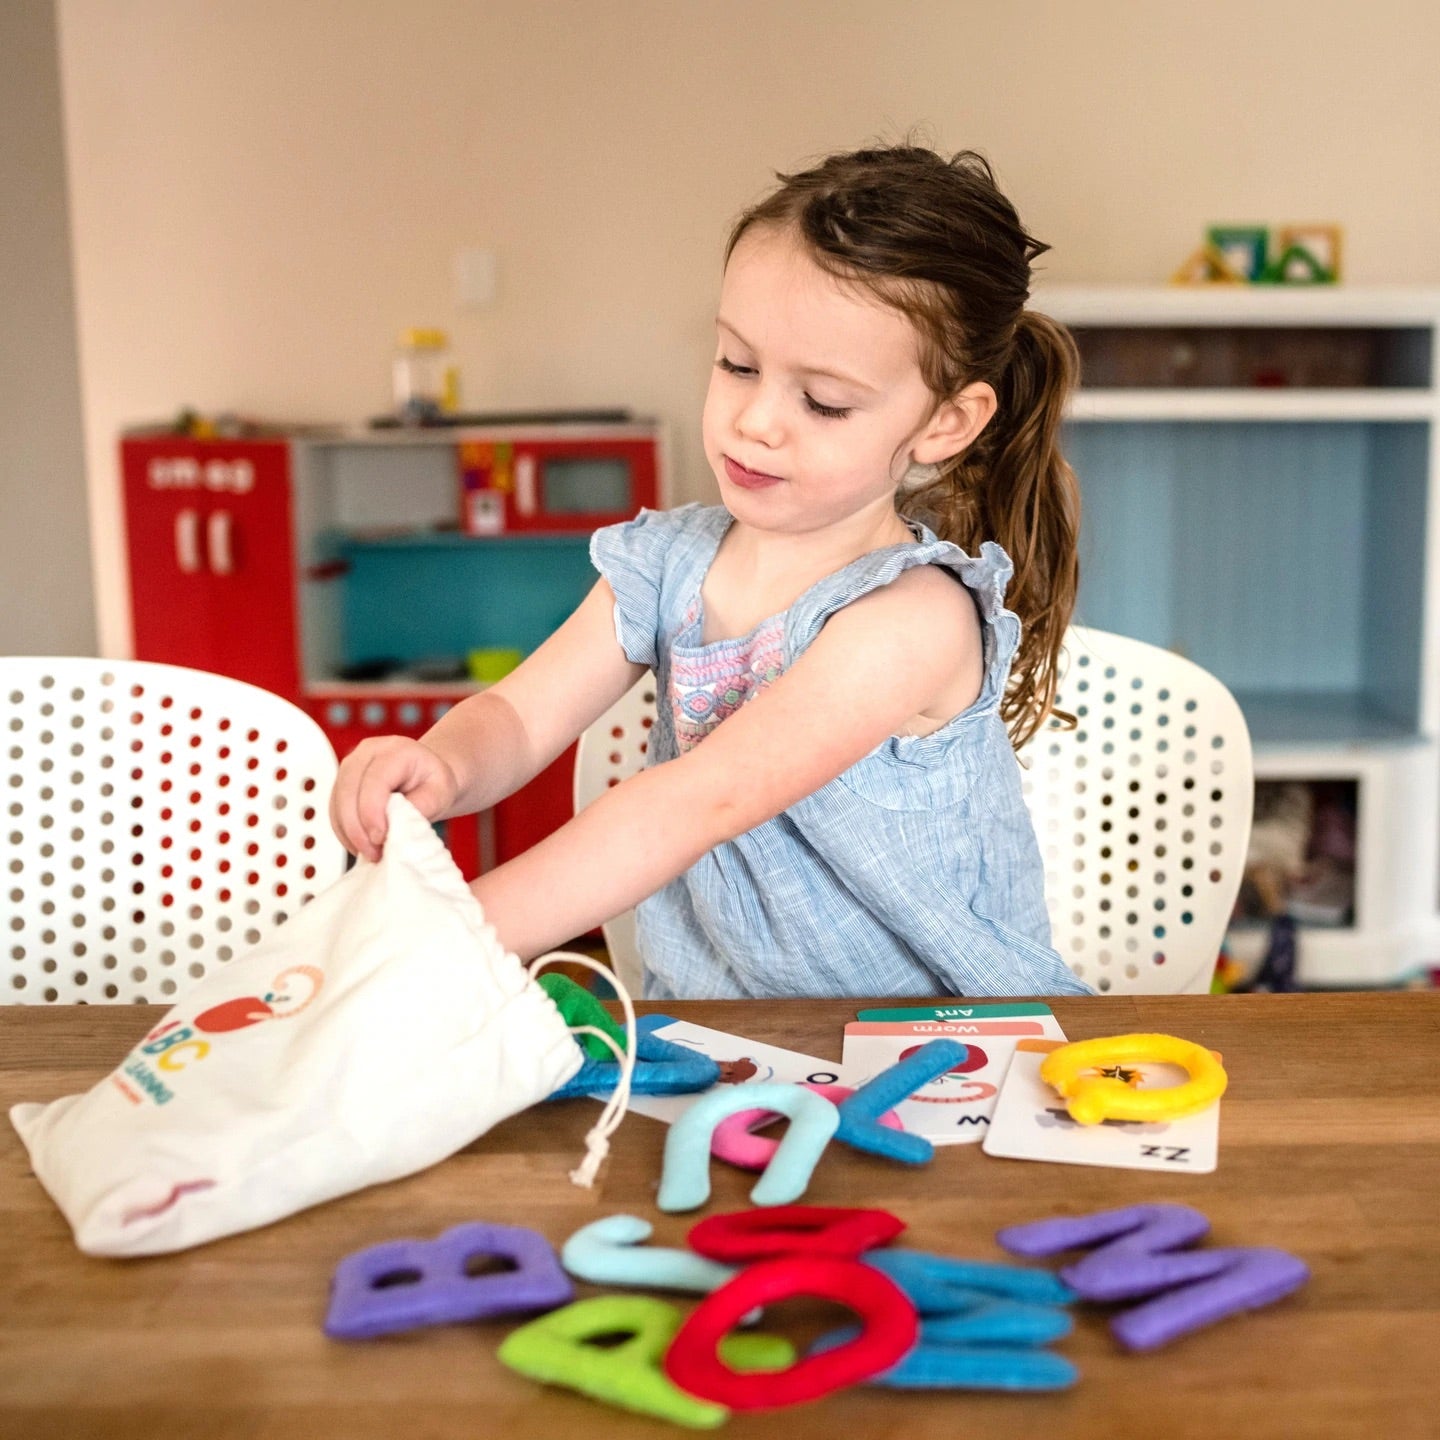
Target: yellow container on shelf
[(427, 383)]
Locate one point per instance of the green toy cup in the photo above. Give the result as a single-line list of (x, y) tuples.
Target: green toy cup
[(489, 665)]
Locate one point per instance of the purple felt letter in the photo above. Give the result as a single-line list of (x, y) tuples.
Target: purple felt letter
[(1191, 1289)]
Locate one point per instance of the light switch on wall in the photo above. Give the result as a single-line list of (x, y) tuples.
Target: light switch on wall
[(474, 278)]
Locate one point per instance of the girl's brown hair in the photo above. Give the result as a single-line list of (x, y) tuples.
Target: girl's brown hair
[(936, 240)]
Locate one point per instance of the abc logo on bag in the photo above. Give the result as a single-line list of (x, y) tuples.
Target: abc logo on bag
[(173, 1046)]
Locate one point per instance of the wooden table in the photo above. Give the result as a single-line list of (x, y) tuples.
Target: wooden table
[(1330, 1147)]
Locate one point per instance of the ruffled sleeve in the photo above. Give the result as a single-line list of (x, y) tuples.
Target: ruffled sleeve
[(646, 560), (630, 559), (984, 575)]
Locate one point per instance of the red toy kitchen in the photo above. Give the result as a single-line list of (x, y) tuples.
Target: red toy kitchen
[(377, 577)]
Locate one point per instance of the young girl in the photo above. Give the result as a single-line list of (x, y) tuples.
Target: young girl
[(831, 804)]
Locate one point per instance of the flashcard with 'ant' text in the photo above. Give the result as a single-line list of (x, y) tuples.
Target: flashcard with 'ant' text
[(1031, 1122)]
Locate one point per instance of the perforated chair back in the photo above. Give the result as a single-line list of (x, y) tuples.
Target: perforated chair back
[(1142, 813), (157, 822), (611, 750)]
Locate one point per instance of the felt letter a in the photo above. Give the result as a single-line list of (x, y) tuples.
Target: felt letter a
[(554, 1349)]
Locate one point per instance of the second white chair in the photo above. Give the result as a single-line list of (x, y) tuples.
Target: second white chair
[(1142, 813)]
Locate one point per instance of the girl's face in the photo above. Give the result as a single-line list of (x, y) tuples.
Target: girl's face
[(816, 402)]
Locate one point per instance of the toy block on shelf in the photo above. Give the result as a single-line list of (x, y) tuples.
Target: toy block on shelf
[(1207, 266)]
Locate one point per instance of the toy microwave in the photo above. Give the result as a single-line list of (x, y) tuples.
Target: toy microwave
[(558, 480)]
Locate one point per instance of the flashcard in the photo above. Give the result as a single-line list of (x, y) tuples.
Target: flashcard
[(956, 1108), (1031, 1123), (959, 1010), (741, 1062)]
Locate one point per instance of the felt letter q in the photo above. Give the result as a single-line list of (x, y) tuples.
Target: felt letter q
[(1093, 1098), (889, 1333)]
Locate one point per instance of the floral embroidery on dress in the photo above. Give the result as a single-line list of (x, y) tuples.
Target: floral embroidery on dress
[(710, 683)]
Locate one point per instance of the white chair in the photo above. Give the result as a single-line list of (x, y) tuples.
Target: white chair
[(157, 822), (1142, 812), (611, 749)]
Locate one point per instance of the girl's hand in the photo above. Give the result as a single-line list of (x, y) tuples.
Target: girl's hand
[(375, 770)]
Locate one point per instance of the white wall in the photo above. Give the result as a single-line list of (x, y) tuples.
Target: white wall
[(263, 193), (46, 603)]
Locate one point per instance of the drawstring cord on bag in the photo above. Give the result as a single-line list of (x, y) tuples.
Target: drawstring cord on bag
[(597, 1141)]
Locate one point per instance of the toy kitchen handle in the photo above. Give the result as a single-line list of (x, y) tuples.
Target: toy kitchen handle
[(187, 541), (526, 491), (218, 531)]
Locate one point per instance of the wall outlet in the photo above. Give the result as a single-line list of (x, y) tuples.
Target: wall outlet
[(474, 278)]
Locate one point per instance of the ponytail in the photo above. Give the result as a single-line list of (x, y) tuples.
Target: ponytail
[(935, 239), (1014, 486)]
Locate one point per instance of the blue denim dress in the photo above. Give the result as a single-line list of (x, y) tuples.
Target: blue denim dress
[(916, 872)]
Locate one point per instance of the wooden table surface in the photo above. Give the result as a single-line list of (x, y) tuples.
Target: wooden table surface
[(1330, 1148)]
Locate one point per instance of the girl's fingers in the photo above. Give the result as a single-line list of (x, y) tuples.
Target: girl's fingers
[(384, 775), (342, 809), (357, 803), (373, 772)]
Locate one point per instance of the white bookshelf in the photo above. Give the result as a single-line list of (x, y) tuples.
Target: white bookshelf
[(1284, 535), (1270, 406)]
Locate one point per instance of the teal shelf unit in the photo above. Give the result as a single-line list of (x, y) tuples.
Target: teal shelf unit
[(1288, 559)]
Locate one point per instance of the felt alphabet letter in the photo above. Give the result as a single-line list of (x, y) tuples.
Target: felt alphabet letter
[(612, 1251), (860, 1113), (889, 1331), (554, 1349), (836, 1231), (685, 1182), (1190, 1289)]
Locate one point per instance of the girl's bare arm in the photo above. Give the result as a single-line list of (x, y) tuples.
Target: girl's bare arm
[(875, 664), (488, 746)]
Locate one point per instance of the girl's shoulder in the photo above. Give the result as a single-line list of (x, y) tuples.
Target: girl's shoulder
[(984, 575)]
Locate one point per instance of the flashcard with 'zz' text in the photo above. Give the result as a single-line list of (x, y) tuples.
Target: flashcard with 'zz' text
[(1031, 1123), (954, 1109)]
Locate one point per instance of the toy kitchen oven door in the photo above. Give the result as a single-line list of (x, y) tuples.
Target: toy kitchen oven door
[(379, 577)]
